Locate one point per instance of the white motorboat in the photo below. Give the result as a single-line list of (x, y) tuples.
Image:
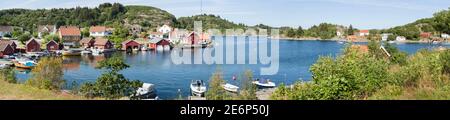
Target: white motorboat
[(230, 87), (96, 52), (198, 88), (146, 92), (391, 42), (264, 83)]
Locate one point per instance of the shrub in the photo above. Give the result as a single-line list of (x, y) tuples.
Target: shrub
[(48, 74), (8, 75)]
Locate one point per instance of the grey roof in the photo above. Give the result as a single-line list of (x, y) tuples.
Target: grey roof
[(6, 28), (155, 40), (46, 28), (3, 46)]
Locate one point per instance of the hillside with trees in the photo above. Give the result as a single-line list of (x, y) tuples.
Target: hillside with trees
[(437, 25), (105, 14), (209, 22)]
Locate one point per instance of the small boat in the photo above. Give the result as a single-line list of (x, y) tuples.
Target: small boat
[(71, 53), (3, 66), (391, 42), (144, 49), (264, 83), (341, 42), (24, 63), (198, 88), (86, 52), (96, 52), (230, 87), (146, 92)]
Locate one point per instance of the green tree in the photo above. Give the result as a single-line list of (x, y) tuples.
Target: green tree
[(248, 89), (441, 20), (350, 30), (24, 38), (49, 38), (300, 31), (290, 33), (48, 74), (85, 32), (216, 91), (8, 75), (111, 84)]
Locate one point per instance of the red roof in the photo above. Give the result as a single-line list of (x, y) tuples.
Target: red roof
[(363, 31), (425, 34), (97, 29), (69, 31), (100, 41)]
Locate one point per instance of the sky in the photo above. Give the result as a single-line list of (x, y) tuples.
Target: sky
[(362, 14)]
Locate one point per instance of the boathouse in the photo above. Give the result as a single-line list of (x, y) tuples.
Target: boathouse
[(32, 45), (102, 43), (9, 42), (87, 42), (52, 46), (129, 45), (155, 42), (5, 49)]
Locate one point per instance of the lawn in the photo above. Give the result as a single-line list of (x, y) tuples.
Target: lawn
[(10, 91)]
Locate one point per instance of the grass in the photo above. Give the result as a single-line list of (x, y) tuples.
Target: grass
[(9, 91)]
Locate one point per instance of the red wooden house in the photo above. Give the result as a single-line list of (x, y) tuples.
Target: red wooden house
[(130, 45), (87, 42), (157, 42), (32, 46), (195, 38), (5, 49), (102, 43), (52, 46), (9, 42)]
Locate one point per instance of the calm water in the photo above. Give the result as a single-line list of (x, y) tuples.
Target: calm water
[(156, 67)]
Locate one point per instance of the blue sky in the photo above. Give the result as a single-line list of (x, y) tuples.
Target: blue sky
[(363, 14)]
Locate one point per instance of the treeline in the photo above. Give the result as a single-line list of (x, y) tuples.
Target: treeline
[(437, 25), (373, 75), (104, 14), (322, 31), (208, 22)]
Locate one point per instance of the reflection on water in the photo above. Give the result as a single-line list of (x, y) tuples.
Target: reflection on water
[(156, 67)]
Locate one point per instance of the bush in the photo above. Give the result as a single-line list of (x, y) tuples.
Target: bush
[(111, 84), (8, 75), (48, 74), (353, 75), (248, 89), (216, 91)]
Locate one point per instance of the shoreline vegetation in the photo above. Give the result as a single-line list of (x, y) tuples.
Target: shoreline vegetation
[(342, 39)]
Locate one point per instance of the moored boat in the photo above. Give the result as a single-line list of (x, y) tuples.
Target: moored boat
[(264, 83), (230, 87), (24, 63), (146, 92), (198, 88), (71, 53)]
